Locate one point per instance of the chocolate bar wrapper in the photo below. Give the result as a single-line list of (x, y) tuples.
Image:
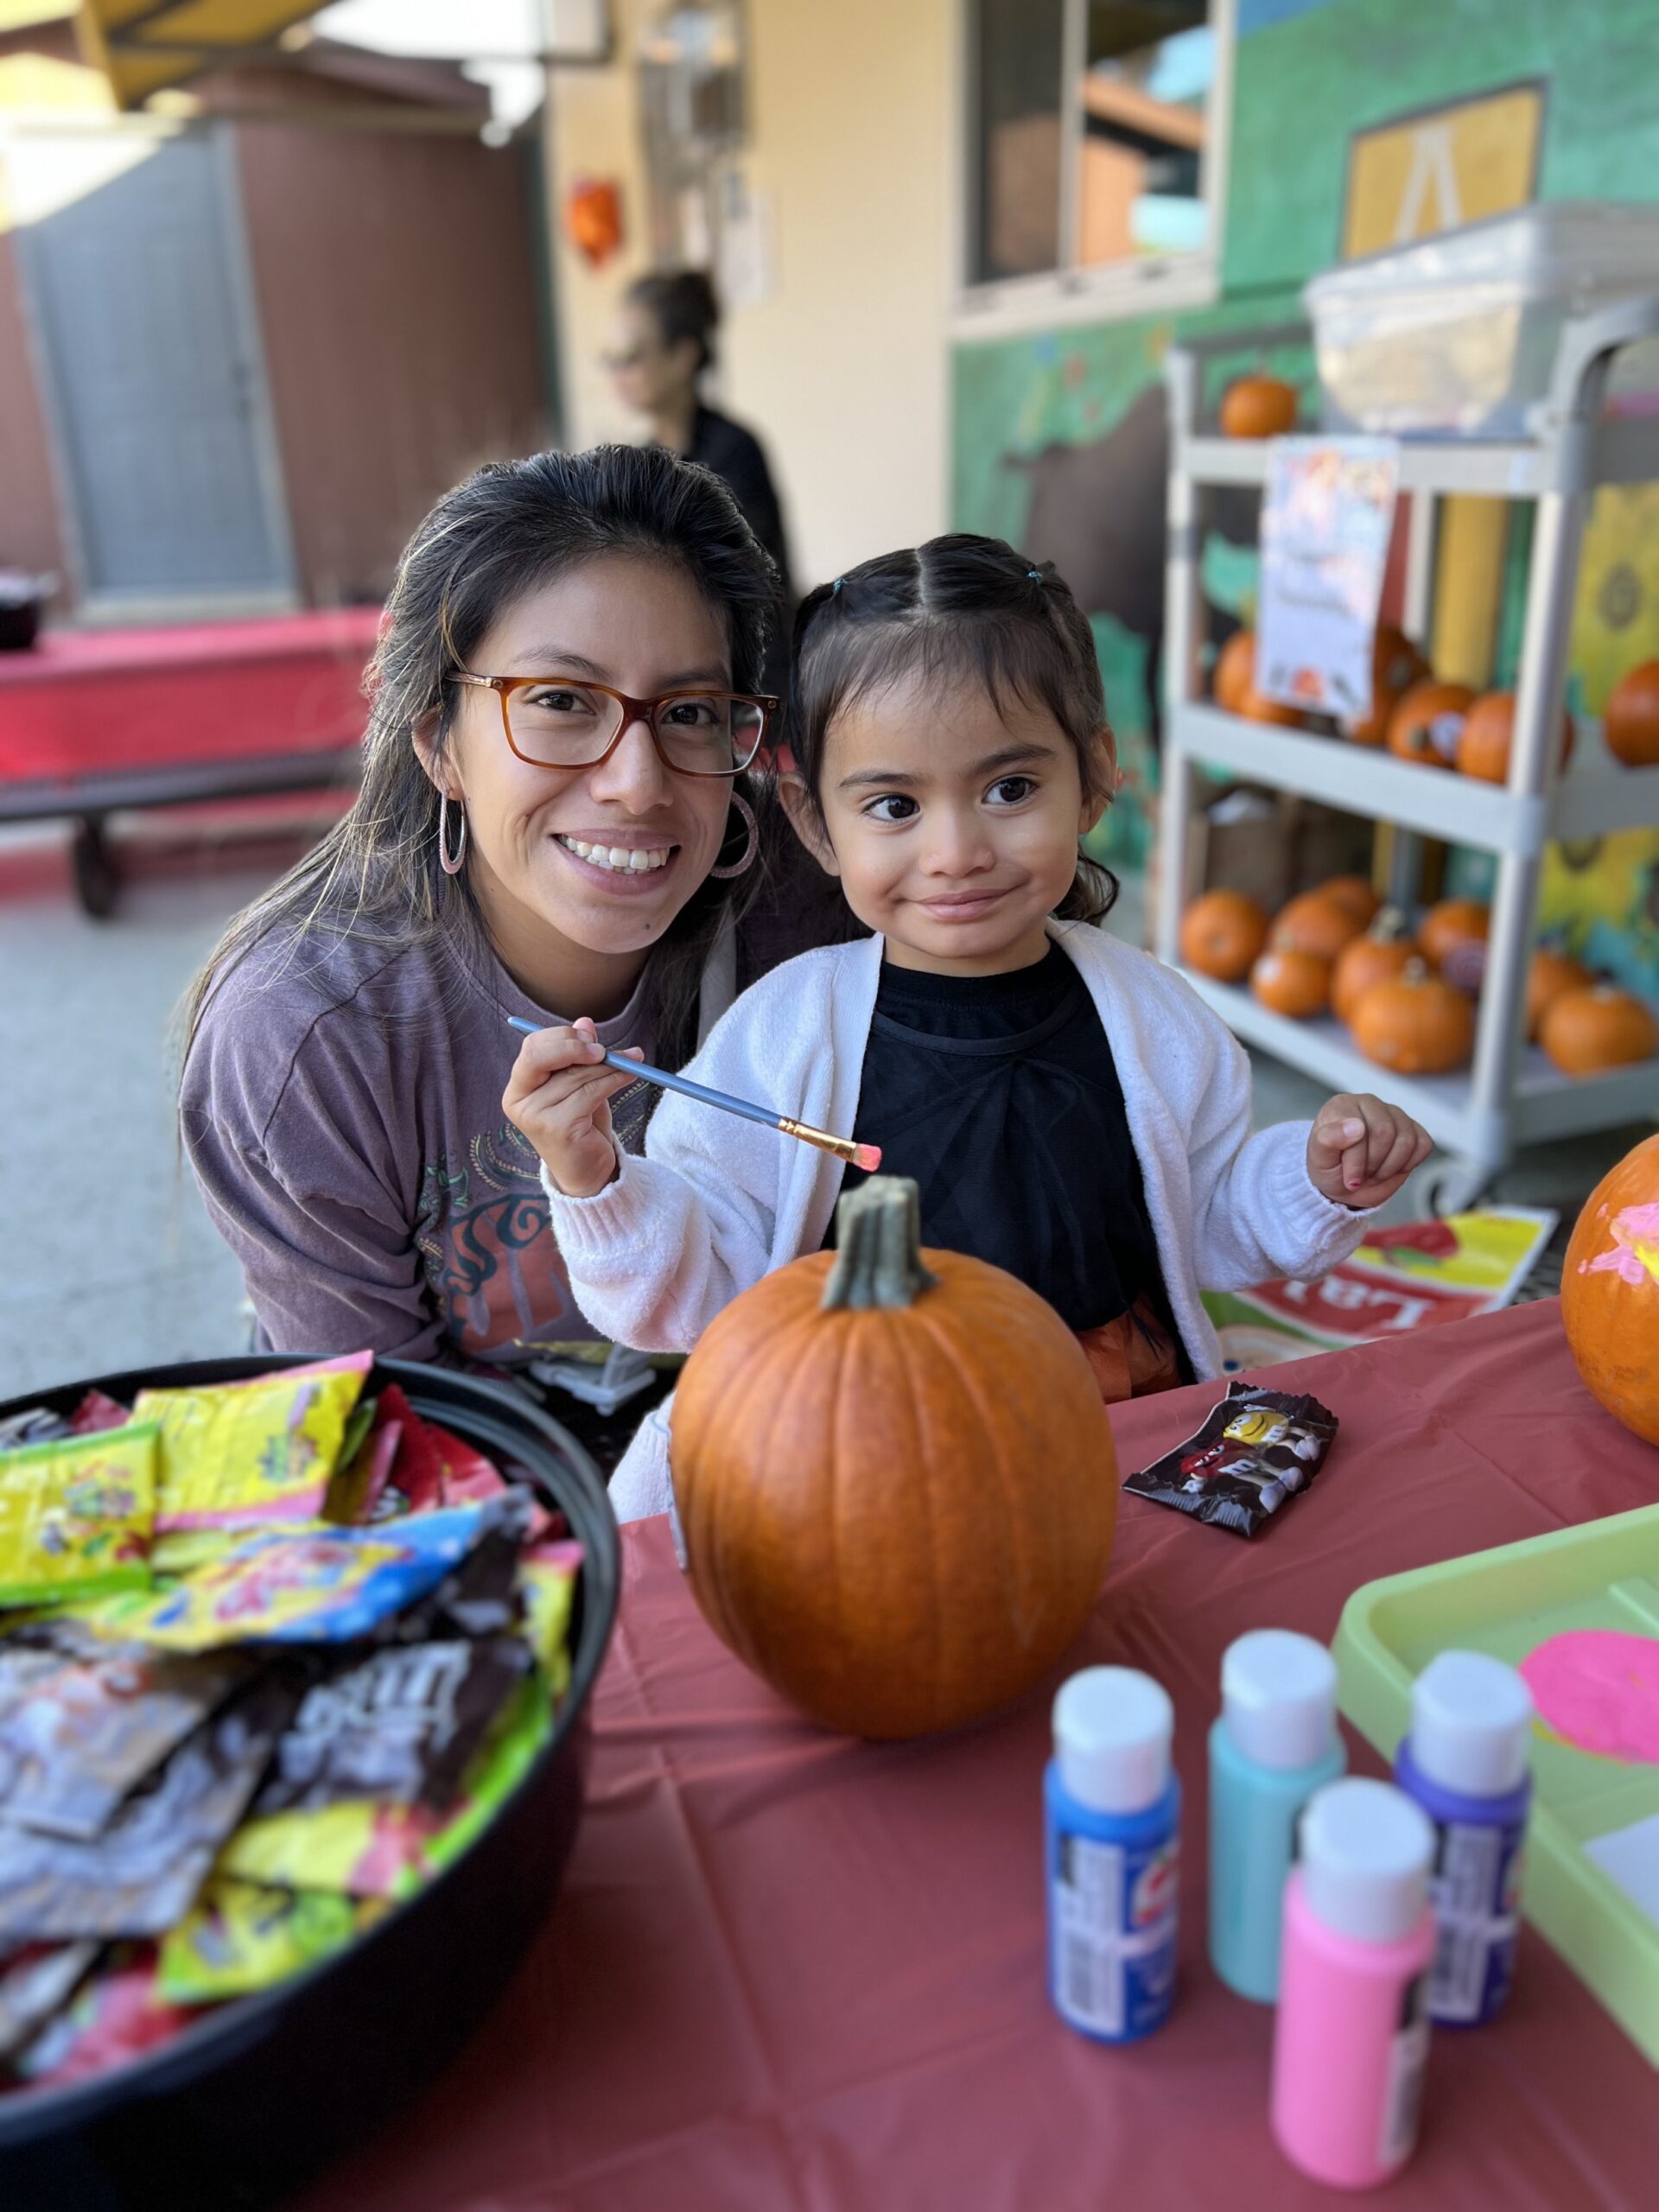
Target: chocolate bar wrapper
[(1257, 1449), (400, 1726), (140, 1876), (87, 1730)]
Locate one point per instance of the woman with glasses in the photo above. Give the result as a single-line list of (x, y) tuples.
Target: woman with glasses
[(558, 813), (664, 341)]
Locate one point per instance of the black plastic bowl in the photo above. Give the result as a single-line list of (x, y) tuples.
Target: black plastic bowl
[(255, 2097)]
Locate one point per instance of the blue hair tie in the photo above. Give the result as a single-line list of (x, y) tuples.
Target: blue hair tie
[(837, 586), (1036, 575)]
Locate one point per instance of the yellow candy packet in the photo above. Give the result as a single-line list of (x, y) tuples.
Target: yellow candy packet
[(240, 1936), (76, 1516), (250, 1455), (547, 1581)]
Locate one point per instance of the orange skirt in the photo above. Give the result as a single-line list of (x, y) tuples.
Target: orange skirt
[(1134, 1357)]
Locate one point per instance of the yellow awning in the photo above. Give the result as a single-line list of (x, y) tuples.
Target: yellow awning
[(142, 47)]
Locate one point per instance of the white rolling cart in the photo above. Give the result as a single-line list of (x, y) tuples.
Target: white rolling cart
[(1510, 1095)]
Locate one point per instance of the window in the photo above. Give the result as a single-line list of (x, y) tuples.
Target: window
[(1091, 137)]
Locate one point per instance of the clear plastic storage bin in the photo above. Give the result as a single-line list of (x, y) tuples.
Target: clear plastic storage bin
[(1456, 335)]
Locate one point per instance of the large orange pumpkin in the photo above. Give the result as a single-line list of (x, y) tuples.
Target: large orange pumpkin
[(1586, 1033), (1609, 1291), (1386, 950), (1258, 407), (1415, 1024), (1632, 724), (1428, 722), (1314, 923), (1222, 932), (1396, 665), (1297, 983), (1453, 938), (895, 1478), (1488, 732), (1234, 673), (1550, 974)]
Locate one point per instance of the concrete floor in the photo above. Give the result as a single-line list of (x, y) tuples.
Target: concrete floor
[(113, 1262)]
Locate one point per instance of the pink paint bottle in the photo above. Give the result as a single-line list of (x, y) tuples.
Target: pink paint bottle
[(1352, 2033)]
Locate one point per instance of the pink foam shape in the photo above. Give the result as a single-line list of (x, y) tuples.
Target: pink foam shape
[(1598, 1689), (1634, 1254)]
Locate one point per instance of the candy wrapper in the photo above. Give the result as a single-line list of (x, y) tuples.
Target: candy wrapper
[(76, 1516), (548, 1579), (241, 1937), (140, 1876), (83, 1732), (119, 2013), (315, 1585), (35, 1984), (402, 1724), (245, 1455), (365, 1849), (1257, 1449)]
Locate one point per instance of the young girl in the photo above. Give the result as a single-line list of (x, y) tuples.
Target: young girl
[(1071, 1109)]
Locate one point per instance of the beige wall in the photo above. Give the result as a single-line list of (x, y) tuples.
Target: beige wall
[(843, 370)]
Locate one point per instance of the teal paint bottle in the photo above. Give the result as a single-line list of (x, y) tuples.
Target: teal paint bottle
[(1276, 1743)]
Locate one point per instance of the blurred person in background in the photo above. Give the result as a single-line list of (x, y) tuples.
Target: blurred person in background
[(664, 343)]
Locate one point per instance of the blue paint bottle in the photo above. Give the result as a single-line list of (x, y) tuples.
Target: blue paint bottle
[(1466, 1763), (1276, 1743), (1112, 1810)]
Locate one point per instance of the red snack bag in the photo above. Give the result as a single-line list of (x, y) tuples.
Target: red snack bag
[(96, 1412)]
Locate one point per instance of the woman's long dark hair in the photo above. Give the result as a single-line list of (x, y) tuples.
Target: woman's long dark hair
[(508, 528), (957, 607)]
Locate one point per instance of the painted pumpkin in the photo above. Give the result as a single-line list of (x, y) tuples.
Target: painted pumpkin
[(895, 1478), (1415, 1024), (1355, 892), (1452, 935), (1427, 723), (1258, 407), (1396, 665), (1550, 974), (1296, 983), (1314, 923), (1234, 673), (1222, 932), (1488, 731), (1386, 950), (1587, 1031), (1609, 1291), (1631, 726)]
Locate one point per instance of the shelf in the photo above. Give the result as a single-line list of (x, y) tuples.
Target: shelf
[(1596, 795), (1544, 1104), (1624, 450)]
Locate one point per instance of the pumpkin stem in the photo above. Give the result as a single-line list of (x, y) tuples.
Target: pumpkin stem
[(1415, 971), (1390, 926), (879, 1247)]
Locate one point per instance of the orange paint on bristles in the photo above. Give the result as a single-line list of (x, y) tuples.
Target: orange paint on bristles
[(867, 1156)]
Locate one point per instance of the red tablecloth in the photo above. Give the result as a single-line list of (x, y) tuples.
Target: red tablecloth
[(796, 1973), (88, 702)]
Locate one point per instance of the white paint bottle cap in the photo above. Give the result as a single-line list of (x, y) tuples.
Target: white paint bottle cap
[(1366, 1850), (1113, 1727), (1278, 1698), (1471, 1725)]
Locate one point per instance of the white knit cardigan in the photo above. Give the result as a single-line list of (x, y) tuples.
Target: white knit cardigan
[(716, 1203)]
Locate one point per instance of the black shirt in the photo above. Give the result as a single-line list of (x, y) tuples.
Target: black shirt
[(734, 455), (999, 1096)]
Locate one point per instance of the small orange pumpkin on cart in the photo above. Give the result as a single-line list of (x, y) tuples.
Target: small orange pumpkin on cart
[(1427, 723), (1288, 982), (1258, 407), (1234, 673), (1355, 892), (1488, 735), (1315, 923), (1453, 935), (1222, 933), (1609, 1291), (1632, 723), (1550, 974), (895, 1478), (1415, 1023), (1396, 665), (1385, 952), (1590, 1032)]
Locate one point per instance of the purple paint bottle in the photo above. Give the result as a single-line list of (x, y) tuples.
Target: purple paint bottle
[(1466, 1763)]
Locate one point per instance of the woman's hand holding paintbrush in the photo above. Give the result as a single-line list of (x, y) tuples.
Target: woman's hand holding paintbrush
[(559, 1095)]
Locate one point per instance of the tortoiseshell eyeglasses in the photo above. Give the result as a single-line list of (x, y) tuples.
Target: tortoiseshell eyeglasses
[(567, 721)]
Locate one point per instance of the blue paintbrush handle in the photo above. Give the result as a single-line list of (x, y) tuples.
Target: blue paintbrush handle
[(664, 1081)]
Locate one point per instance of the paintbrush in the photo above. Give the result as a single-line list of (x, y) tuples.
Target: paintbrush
[(867, 1156)]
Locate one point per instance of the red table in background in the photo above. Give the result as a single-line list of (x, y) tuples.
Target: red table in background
[(93, 722), (796, 1974)]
